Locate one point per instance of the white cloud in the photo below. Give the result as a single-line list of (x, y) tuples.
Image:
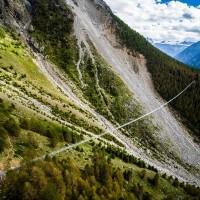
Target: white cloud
[(171, 22)]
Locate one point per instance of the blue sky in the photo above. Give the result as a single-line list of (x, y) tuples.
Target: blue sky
[(170, 21), (189, 2)]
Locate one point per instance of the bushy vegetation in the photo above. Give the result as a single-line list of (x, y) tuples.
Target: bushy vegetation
[(9, 126), (122, 155), (55, 179), (91, 91), (169, 76), (54, 132), (110, 97), (53, 26), (74, 119), (106, 91), (19, 70), (12, 124), (2, 33)]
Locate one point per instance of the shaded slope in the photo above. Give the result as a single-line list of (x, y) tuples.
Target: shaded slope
[(171, 49), (191, 55)]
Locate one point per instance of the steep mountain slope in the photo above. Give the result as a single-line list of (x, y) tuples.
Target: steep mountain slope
[(61, 108), (191, 55), (168, 76), (73, 73), (97, 23), (171, 49)]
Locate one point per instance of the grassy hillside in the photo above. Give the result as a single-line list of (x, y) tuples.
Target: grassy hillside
[(92, 171), (29, 135), (169, 76), (32, 105), (21, 76)]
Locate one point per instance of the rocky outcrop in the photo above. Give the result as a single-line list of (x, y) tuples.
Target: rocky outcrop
[(16, 14)]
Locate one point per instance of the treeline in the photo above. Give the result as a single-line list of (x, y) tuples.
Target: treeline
[(115, 152), (11, 125), (55, 133), (169, 76), (55, 179)]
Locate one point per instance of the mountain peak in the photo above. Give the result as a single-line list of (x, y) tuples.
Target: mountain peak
[(191, 55)]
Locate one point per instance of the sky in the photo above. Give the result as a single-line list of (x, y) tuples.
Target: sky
[(189, 2), (167, 21)]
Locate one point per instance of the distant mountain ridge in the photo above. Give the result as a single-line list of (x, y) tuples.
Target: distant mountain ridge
[(172, 49), (191, 55)]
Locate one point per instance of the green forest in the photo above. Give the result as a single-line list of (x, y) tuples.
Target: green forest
[(56, 179), (53, 28)]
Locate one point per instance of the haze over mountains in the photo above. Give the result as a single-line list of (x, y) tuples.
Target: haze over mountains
[(172, 49), (186, 52), (190, 56)]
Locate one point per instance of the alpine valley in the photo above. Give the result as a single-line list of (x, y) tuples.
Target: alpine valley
[(71, 72)]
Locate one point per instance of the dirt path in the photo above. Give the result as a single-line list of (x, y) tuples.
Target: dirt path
[(81, 56)]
